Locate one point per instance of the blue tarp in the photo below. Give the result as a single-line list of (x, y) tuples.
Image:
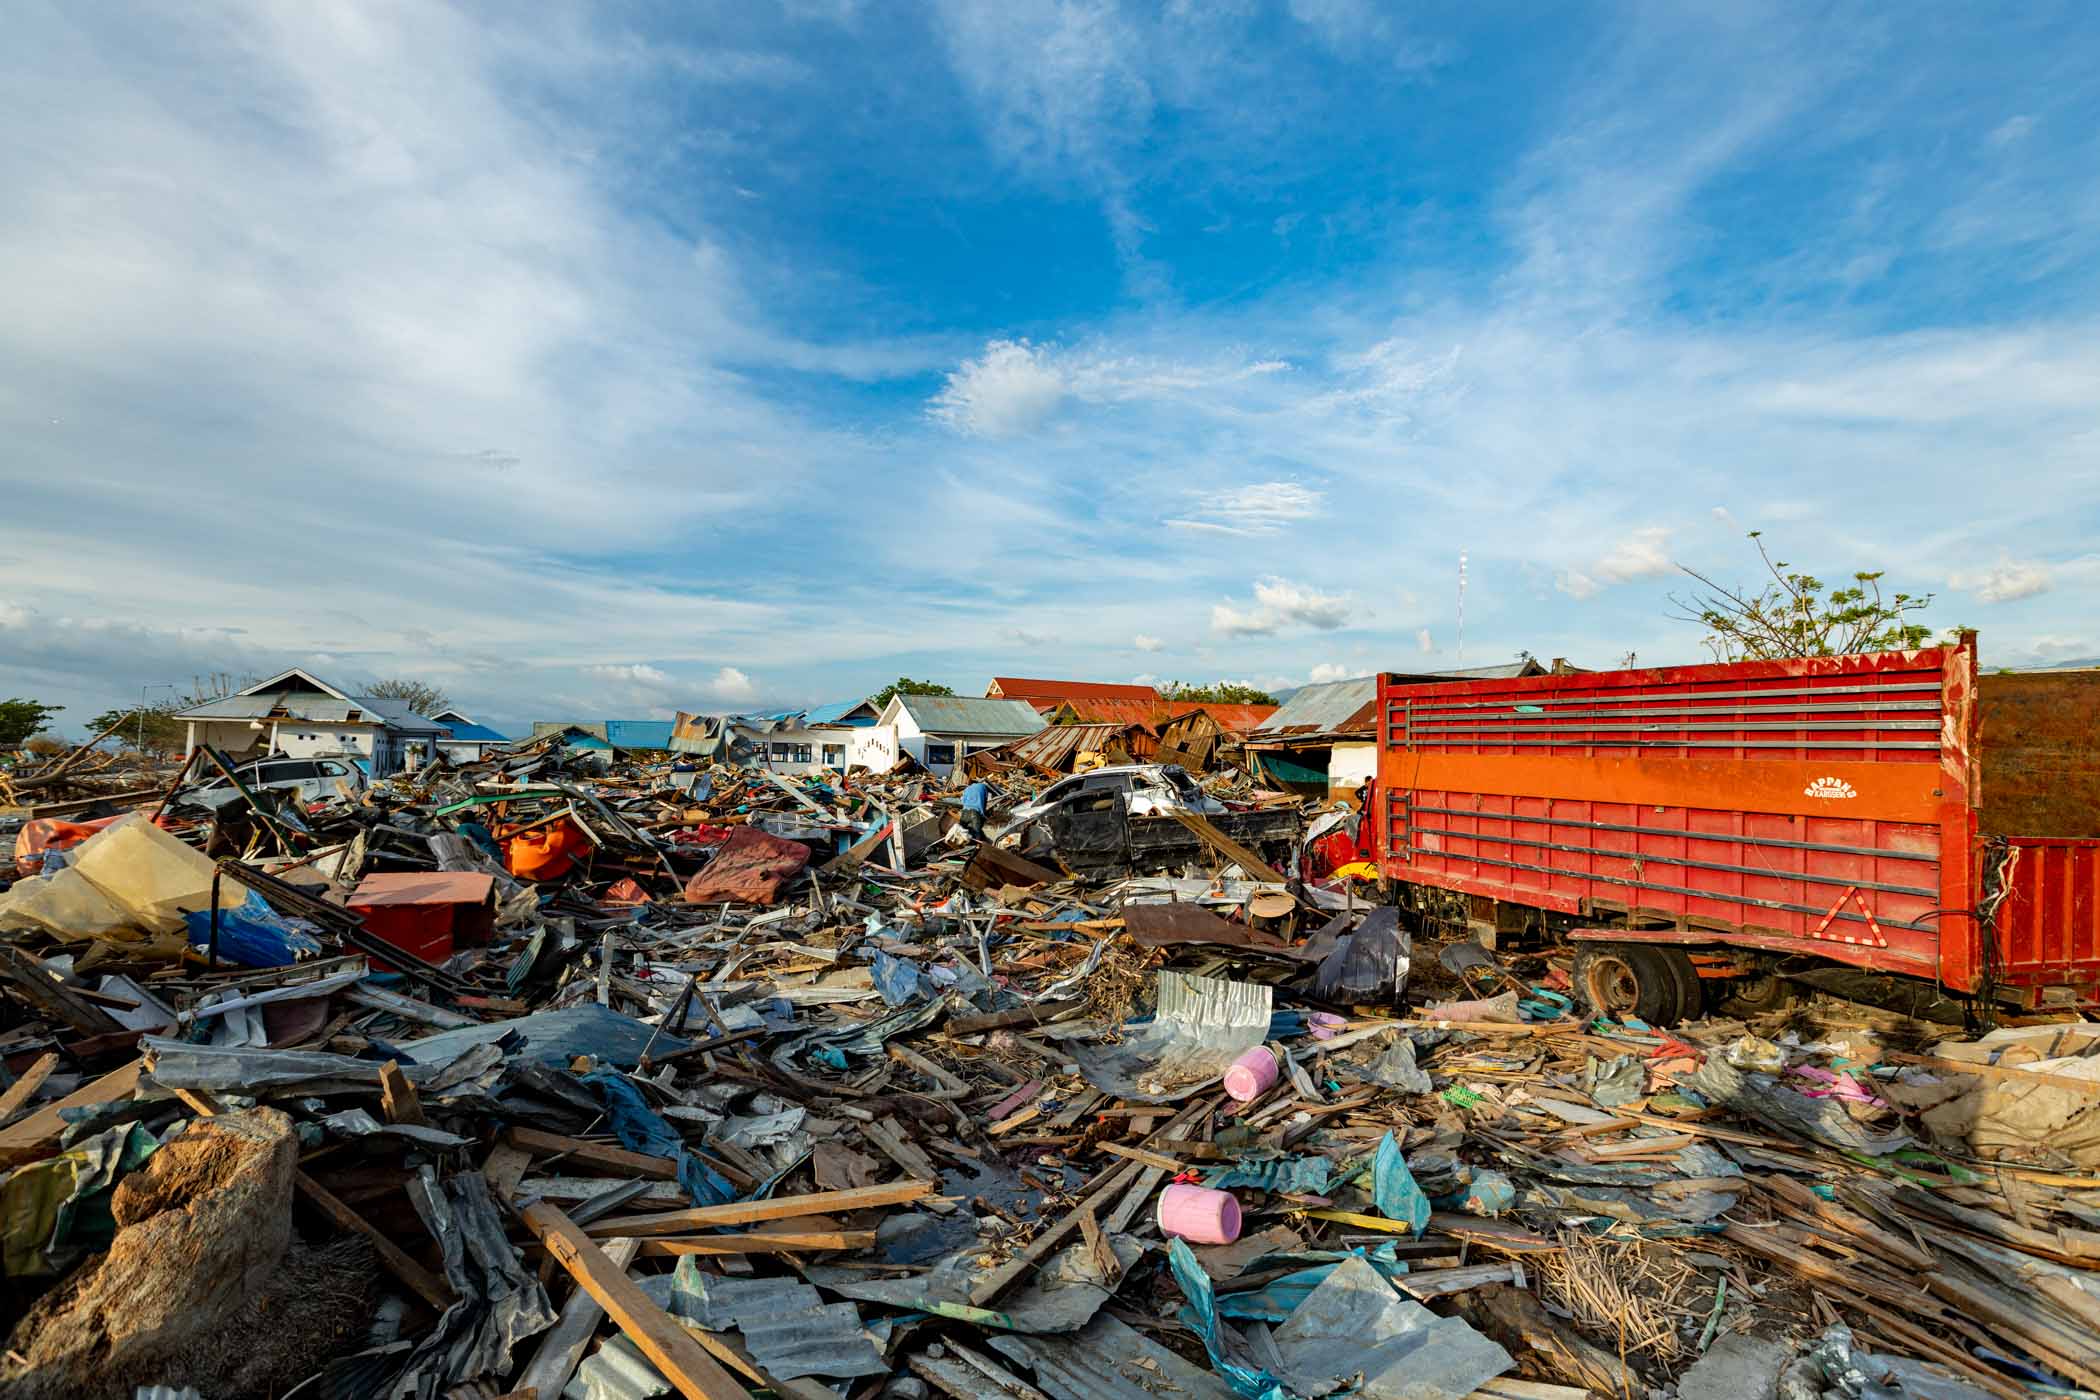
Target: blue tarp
[(641, 1128), (1393, 1187), (1202, 1315), (254, 935), (1279, 1297), (555, 1037)]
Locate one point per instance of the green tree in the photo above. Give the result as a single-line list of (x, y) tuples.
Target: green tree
[(154, 729), (905, 685), (1797, 614), (21, 718), (1216, 693), (421, 696)]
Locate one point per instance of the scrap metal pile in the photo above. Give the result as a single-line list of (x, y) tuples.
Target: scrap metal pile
[(518, 1079)]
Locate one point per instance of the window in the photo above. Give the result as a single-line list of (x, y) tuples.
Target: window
[(791, 753), (834, 755), (285, 772), (333, 770), (941, 754)]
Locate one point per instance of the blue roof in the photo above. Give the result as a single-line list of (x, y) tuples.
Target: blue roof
[(835, 713), (474, 733), (638, 733)]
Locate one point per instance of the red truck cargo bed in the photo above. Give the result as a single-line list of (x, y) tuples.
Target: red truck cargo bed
[(1820, 806)]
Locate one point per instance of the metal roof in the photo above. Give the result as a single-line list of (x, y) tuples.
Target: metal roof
[(961, 714), (1057, 746), (638, 733), (836, 712), (317, 709), (466, 731), (1021, 688), (1336, 707)]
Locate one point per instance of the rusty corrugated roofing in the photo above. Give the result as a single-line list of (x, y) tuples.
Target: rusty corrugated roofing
[(1337, 707), (1042, 692)]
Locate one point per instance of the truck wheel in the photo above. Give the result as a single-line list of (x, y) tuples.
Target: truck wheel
[(1656, 984), (1755, 996)]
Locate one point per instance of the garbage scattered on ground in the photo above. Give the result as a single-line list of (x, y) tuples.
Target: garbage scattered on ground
[(554, 1075)]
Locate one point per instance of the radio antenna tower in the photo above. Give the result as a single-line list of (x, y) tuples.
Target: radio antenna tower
[(1461, 610)]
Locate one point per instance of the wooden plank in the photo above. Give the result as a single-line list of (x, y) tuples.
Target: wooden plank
[(1139, 1154), (397, 1097), (504, 1168), (681, 1222), (51, 997), (561, 1348), (2010, 1074), (1254, 865), (761, 1242), (20, 1092), (612, 1160), (677, 1354), (36, 1136)]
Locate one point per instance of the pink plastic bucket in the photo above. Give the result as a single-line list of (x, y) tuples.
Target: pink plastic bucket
[(1250, 1076), (1199, 1214)]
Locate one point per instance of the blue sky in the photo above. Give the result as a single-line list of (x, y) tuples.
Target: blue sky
[(607, 359)]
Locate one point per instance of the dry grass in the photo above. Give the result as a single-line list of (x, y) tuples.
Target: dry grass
[(1628, 1294)]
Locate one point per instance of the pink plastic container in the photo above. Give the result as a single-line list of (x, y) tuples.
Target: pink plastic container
[(1199, 1214), (1250, 1076)]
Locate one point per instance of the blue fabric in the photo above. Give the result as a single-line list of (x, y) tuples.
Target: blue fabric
[(1303, 1175), (253, 935), (1202, 1314), (1393, 1187), (896, 978), (975, 798), (1279, 1298), (641, 1128)]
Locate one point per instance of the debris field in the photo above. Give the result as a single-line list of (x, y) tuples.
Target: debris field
[(531, 1077)]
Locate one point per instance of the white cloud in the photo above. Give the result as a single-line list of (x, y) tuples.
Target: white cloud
[(2005, 582), (2012, 129), (1260, 509), (1278, 602), (1144, 642), (1011, 388), (632, 675), (1424, 643), (1016, 386), (731, 684), (1642, 553), (1329, 671)]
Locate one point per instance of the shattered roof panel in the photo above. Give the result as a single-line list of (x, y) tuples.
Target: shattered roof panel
[(961, 714), (1057, 746), (317, 709)]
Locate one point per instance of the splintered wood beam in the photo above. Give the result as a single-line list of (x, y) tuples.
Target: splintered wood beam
[(397, 1097), (676, 1352)]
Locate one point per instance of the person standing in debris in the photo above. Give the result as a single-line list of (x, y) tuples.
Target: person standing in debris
[(974, 799)]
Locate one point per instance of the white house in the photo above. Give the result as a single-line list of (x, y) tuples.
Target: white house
[(819, 739), (465, 741), (941, 730), (300, 715)]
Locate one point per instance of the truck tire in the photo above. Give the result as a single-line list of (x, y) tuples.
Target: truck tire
[(1656, 984), (1758, 995)]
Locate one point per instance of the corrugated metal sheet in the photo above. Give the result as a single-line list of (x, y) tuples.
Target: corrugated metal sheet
[(1022, 688), (1109, 1361), (638, 733), (464, 731), (1337, 707), (959, 714), (1056, 748), (317, 709)]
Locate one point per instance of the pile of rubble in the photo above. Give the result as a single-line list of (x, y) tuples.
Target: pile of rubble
[(522, 1079)]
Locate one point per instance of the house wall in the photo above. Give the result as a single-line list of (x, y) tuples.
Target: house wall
[(874, 748), (463, 750), (830, 748), (381, 750), (1349, 767)]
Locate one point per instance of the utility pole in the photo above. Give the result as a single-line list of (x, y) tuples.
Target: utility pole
[(140, 742)]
